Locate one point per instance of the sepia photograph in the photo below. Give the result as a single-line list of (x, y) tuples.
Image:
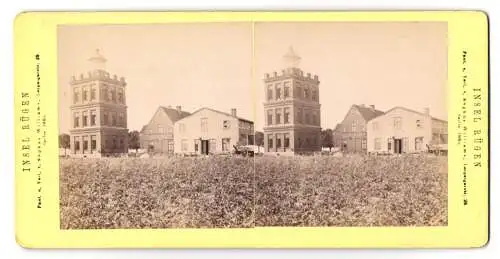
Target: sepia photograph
[(242, 125), (156, 121), (355, 114)]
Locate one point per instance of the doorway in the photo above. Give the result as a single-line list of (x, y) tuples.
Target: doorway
[(398, 146), (204, 147)]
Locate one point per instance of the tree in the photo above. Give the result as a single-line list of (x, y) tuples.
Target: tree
[(327, 138), (64, 142), (134, 140), (259, 139)]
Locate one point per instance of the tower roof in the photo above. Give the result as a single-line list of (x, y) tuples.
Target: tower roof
[(97, 61), (291, 58)]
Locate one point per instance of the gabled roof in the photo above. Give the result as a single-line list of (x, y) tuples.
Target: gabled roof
[(413, 111), (224, 113), (174, 114), (368, 113)]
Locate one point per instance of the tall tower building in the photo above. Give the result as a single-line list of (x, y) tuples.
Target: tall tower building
[(99, 111), (292, 109)]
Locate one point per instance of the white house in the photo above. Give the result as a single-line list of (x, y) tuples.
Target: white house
[(208, 131), (402, 130)]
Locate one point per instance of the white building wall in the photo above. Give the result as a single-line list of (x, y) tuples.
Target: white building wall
[(408, 131), (215, 130)]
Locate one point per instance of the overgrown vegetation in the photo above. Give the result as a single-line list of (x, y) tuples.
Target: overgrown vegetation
[(198, 192)]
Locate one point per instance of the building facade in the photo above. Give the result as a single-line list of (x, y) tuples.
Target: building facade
[(99, 112), (158, 135), (402, 130), (208, 131), (292, 109), (350, 134)]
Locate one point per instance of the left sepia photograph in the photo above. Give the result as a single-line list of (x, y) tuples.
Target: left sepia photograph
[(156, 126)]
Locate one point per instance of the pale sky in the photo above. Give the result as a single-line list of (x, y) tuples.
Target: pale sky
[(198, 65)]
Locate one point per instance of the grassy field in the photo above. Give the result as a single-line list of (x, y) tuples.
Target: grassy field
[(228, 192)]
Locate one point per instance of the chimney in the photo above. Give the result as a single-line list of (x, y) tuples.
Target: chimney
[(179, 108), (233, 112), (427, 111), (372, 106)]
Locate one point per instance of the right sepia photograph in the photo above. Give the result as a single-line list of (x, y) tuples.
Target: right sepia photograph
[(353, 122)]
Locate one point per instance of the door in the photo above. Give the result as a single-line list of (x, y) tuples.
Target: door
[(204, 147), (397, 146)]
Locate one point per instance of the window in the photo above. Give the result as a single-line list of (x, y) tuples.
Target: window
[(76, 120), (121, 119), (287, 140), (306, 93), (76, 95), (113, 119), (85, 116), (314, 119), (84, 94), (278, 141), (204, 124), (278, 91), (354, 126), (405, 144), (93, 117), (93, 94), (397, 123), (269, 117), (120, 95), (196, 145), (299, 115), (286, 91), (85, 143), (270, 142), (226, 124), (182, 127), (389, 144), (363, 143), (443, 139), (375, 126), (298, 91), (278, 116), (161, 129), (93, 142), (114, 142), (314, 95), (269, 93), (225, 144), (377, 144), (251, 139), (418, 143), (105, 93), (105, 119), (419, 124), (113, 94), (286, 117), (122, 143), (170, 146), (307, 117), (77, 143), (212, 146)]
